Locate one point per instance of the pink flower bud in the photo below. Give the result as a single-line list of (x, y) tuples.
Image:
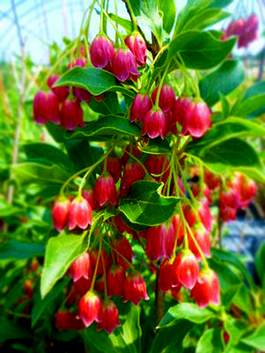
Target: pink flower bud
[(198, 119), (203, 240), (89, 308), (101, 52), (114, 167), (71, 115), (168, 276), (61, 92), (60, 213), (166, 98), (140, 107), (132, 172), (105, 190), (78, 62), (154, 124), (137, 46), (180, 112), (124, 65), (39, 108), (52, 108), (80, 213), (123, 250)]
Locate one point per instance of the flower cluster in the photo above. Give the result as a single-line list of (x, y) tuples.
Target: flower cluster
[(246, 29)]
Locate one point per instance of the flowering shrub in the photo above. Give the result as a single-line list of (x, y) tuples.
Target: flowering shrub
[(150, 160)]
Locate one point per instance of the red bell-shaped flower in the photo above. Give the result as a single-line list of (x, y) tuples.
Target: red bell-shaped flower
[(78, 62), (204, 242), (160, 241), (207, 289), (135, 288), (52, 108), (114, 167), (60, 213), (103, 263), (132, 172), (105, 190), (211, 180), (137, 46), (154, 124), (123, 250), (140, 107), (81, 267), (101, 52), (89, 308), (66, 320), (80, 213), (180, 113), (187, 268), (61, 92), (168, 276), (108, 316), (198, 119), (115, 280), (166, 98), (71, 115), (124, 65)]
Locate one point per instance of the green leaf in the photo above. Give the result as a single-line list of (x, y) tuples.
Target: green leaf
[(34, 173), (259, 262), (108, 105), (242, 299), (170, 338), (210, 342), (236, 329), (200, 10), (42, 305), (223, 80), (145, 205), (126, 24), (61, 251), (224, 130), (257, 338), (249, 106), (36, 152), (232, 154), (104, 126), (188, 311), (199, 50), (96, 81), (12, 249), (255, 90), (168, 7), (82, 154), (7, 210)]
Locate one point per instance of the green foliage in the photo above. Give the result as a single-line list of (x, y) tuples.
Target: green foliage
[(146, 206)]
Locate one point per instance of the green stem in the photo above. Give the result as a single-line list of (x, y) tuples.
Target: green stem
[(96, 267), (101, 25), (114, 26), (138, 161), (117, 252), (131, 13), (160, 87)]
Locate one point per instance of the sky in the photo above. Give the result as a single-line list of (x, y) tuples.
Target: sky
[(47, 21)]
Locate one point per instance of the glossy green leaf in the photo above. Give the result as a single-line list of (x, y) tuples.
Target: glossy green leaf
[(104, 126), (145, 205), (170, 338), (224, 130), (12, 249), (7, 210), (39, 151), (257, 338), (42, 305), (61, 251), (236, 329), (242, 299), (210, 342), (199, 50), (260, 262), (223, 80), (168, 7), (188, 311), (250, 105), (96, 81), (232, 154), (109, 105), (200, 10), (255, 90)]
